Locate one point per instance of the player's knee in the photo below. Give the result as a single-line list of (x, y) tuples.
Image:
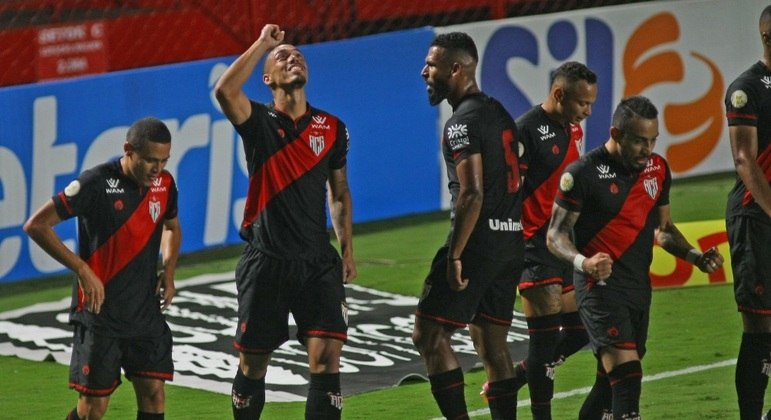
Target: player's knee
[(94, 409), (254, 366)]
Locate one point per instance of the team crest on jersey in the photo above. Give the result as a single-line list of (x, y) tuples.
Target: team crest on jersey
[(316, 143), (155, 209), (766, 81), (566, 182), (113, 186), (739, 99), (651, 187)]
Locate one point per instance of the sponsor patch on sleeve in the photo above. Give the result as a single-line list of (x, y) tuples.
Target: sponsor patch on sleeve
[(566, 182), (72, 189), (738, 99)]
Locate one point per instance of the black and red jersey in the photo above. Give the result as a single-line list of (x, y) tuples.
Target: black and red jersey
[(748, 102), (119, 236), (618, 216), (550, 148), (480, 124), (289, 162)]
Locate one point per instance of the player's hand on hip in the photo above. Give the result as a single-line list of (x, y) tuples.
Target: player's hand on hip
[(92, 288), (599, 266), (454, 275), (710, 261)]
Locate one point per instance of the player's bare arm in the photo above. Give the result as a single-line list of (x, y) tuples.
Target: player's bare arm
[(744, 146), (672, 240), (467, 209), (171, 239), (229, 89), (341, 213), (39, 227), (559, 242)]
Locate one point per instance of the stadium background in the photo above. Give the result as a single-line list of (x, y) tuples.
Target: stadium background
[(56, 126)]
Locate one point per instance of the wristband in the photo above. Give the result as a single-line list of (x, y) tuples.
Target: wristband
[(578, 262), (692, 256), (454, 259)]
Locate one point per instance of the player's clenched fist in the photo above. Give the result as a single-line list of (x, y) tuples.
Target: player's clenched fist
[(272, 34)]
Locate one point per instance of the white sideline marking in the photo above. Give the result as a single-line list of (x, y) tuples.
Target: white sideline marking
[(585, 390)]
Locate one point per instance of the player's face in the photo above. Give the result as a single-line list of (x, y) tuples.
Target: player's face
[(145, 165), (637, 143), (436, 73), (286, 67), (577, 101)]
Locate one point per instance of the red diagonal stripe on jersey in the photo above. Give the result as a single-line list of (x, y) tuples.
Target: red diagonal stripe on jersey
[(129, 240), (282, 169), (536, 209), (764, 162), (620, 233)]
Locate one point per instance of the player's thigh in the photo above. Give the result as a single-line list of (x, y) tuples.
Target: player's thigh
[(265, 287), (750, 241), (320, 308), (95, 366), (541, 288), (148, 357), (611, 323)]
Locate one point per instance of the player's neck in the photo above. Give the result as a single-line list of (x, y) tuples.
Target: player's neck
[(550, 108), (469, 88), (291, 102), (766, 60)]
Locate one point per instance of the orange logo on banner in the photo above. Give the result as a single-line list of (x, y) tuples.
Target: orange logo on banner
[(704, 113)]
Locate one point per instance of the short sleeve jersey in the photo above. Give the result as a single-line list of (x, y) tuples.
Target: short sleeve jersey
[(617, 216), (480, 124), (748, 102), (119, 235), (550, 148), (289, 162)]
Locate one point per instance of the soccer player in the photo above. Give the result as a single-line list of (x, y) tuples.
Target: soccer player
[(127, 212), (748, 213), (610, 206), (294, 152), (553, 137), (473, 277)]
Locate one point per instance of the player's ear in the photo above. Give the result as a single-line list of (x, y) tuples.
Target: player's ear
[(616, 134), (127, 147), (559, 94)]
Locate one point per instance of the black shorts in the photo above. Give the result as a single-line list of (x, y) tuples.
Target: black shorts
[(269, 289), (610, 321), (490, 293), (538, 274), (97, 360), (750, 242)]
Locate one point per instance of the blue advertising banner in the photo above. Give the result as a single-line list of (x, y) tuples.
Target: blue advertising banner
[(51, 132)]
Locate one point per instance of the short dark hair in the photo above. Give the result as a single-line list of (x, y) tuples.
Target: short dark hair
[(633, 107), (765, 15), (573, 71), (148, 129), (455, 42)]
